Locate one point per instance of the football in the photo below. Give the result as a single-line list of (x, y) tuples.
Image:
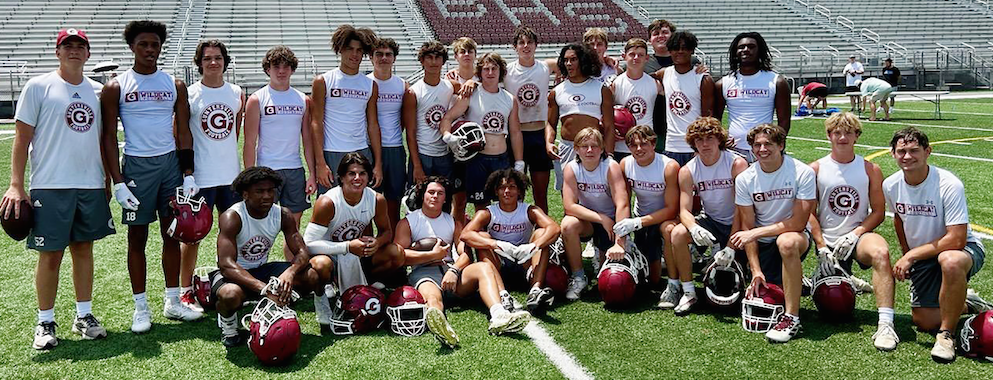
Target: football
[(18, 228), (425, 244)]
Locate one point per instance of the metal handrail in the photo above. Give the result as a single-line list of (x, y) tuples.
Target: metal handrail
[(421, 23), (846, 22), (641, 10), (836, 52), (823, 11), (182, 35), (941, 47), (970, 47), (775, 52), (896, 48), (869, 35)]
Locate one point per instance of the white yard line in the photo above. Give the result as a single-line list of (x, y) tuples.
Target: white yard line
[(886, 147), (943, 111), (566, 364)]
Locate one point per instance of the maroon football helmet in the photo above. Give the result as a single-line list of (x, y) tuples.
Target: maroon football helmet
[(201, 286), (556, 278), (617, 282), (834, 297), (976, 337), (358, 310), (623, 122), (191, 219), (724, 285), (473, 142), (762, 312), (275, 332), (406, 308)]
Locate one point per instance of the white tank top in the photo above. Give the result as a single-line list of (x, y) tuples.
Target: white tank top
[(513, 227), (638, 96), (843, 196), (683, 103), (432, 104), (594, 188), (256, 236), (582, 98), (388, 109), (715, 186), (529, 85), (280, 123), (647, 183), (607, 75), (146, 108), (490, 110), (345, 100), (751, 100), (442, 227), (349, 221), (213, 112)]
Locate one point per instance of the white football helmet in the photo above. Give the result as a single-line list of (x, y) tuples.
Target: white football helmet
[(762, 312), (472, 140)]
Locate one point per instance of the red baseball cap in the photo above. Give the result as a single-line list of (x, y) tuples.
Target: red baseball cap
[(71, 32)]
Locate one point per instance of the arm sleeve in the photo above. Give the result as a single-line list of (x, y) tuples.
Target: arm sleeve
[(953, 200), (313, 237)]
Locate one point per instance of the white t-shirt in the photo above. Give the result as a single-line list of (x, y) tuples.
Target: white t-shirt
[(490, 110), (593, 187), (65, 149), (529, 85), (255, 239), (638, 96), (607, 75), (349, 221), (388, 109), (750, 100), (345, 100), (213, 115), (853, 67), (441, 227), (280, 123), (579, 98), (929, 207), (715, 186), (772, 194), (843, 196)]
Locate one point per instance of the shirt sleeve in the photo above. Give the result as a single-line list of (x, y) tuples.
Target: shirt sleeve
[(28, 104), (741, 195), (953, 199), (806, 182)]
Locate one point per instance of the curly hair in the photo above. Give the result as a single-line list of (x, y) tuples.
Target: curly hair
[(495, 59), (346, 33), (433, 47), (198, 57), (354, 158), (843, 121), (642, 132), (703, 127), (765, 60), (659, 24), (134, 28), (683, 40), (422, 187), (776, 134), (496, 179), (387, 43), (279, 55), (589, 63), (909, 135), (524, 31), (253, 175)]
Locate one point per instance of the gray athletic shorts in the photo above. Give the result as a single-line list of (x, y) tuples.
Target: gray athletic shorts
[(334, 158), (433, 274), (442, 166), (680, 157), (744, 153), (293, 193), (153, 180), (722, 232), (567, 154), (925, 276), (394, 173), (261, 273), (771, 261), (62, 216)]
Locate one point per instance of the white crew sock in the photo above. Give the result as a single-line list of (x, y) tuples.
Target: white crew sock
[(140, 301), (673, 282), (689, 289), (83, 308), (46, 315), (228, 325), (172, 294), (796, 318), (886, 315), (184, 289)]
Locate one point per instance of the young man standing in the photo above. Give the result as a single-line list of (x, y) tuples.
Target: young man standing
[(465, 56), (58, 115), (277, 119), (344, 117), (391, 93), (635, 91), (156, 161), (851, 205), (774, 199), (891, 74), (596, 39), (527, 80), (659, 32), (216, 110), (689, 95), (425, 103), (853, 75), (940, 253)]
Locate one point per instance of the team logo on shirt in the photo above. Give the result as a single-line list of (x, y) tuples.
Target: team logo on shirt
[(657, 187), (217, 121), (917, 210), (771, 195), (348, 93), (637, 106), (844, 200), (715, 184), (592, 187), (679, 104), (390, 98), (747, 93), (256, 248), (515, 228), (149, 96), (280, 109), (349, 230), (528, 95), (577, 98), (79, 116), (434, 114), (493, 122)]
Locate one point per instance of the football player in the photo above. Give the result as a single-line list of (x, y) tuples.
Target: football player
[(596, 39), (277, 119), (340, 228), (634, 90), (156, 161), (391, 95), (593, 197), (247, 231), (216, 110), (58, 115), (940, 253), (850, 205), (519, 233), (344, 117), (465, 56), (689, 95), (774, 199), (445, 272)]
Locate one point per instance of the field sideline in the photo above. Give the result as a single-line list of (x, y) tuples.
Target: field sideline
[(638, 343)]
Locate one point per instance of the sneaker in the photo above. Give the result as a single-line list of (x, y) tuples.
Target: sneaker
[(141, 322), (975, 303), (685, 304), (190, 301), (669, 298), (230, 336), (89, 327), (861, 286), (509, 303), (178, 311), (539, 298), (785, 330), (44, 336), (438, 325), (576, 286), (590, 251), (233, 340), (509, 322), (323, 310), (885, 338), (944, 347)]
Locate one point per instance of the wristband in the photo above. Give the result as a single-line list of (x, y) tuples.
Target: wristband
[(185, 160), (458, 273)]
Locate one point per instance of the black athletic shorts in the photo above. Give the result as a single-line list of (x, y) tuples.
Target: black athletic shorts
[(261, 273)]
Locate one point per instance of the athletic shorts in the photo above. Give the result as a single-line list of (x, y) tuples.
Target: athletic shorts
[(433, 273), (261, 273), (881, 94), (847, 264), (442, 166), (62, 216), (722, 232), (153, 180), (771, 261), (478, 169), (618, 156), (293, 193), (394, 173), (744, 153), (925, 276), (680, 157), (334, 158), (852, 89), (566, 155), (649, 242), (820, 92), (660, 123), (220, 197), (600, 238), (535, 155)]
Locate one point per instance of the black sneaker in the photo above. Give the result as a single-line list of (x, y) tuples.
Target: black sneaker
[(89, 327), (234, 340)]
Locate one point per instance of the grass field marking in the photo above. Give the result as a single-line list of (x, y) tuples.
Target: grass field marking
[(981, 232), (942, 111), (883, 151), (566, 364), (929, 125), (7, 138)]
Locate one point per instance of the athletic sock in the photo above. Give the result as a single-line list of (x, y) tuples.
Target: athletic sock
[(228, 325), (497, 310), (83, 308), (673, 282), (172, 294), (689, 289), (796, 318), (46, 315), (886, 315), (140, 301)]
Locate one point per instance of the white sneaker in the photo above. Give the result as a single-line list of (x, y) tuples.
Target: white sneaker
[(439, 326), (576, 286), (685, 304), (509, 322), (669, 298), (861, 286), (322, 307), (89, 327), (44, 336), (975, 303), (885, 338), (944, 347), (141, 322), (178, 311), (190, 301), (589, 251), (783, 331)]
